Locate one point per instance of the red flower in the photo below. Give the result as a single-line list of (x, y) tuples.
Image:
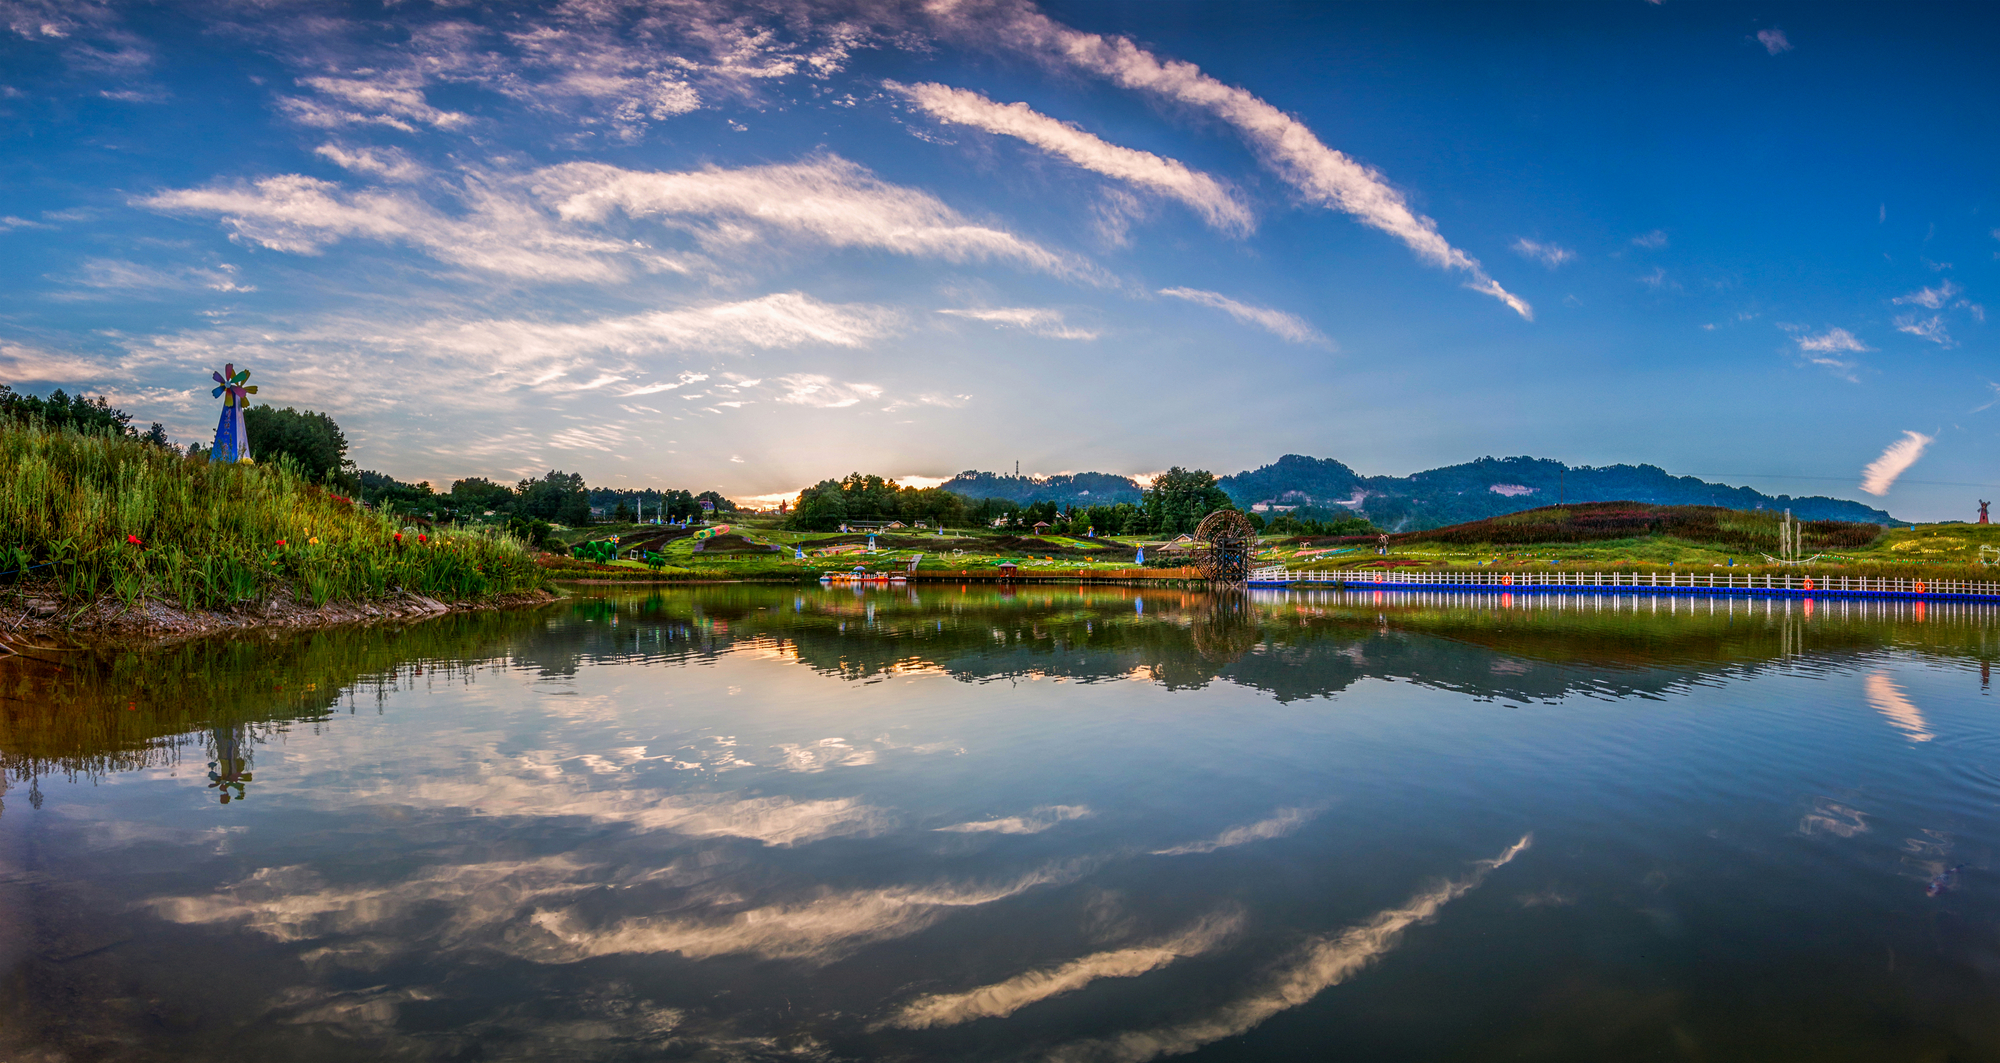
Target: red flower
[(399, 538), (422, 539), (134, 540), (281, 542)]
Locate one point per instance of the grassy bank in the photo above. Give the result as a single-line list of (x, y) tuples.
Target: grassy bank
[(85, 517)]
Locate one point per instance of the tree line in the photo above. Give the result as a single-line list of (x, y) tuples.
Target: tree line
[(1175, 503)]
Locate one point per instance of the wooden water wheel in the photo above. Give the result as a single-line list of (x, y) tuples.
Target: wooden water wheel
[(1225, 546)]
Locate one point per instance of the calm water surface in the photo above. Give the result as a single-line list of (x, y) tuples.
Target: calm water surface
[(942, 824)]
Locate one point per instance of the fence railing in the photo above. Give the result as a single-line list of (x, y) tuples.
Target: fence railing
[(1665, 582)]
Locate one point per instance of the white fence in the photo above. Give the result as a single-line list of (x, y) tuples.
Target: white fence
[(1664, 582)]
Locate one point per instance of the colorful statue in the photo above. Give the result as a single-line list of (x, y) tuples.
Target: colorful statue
[(232, 438)]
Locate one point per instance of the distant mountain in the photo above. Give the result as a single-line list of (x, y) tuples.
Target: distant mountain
[(1434, 498), (1080, 488), (1490, 487)]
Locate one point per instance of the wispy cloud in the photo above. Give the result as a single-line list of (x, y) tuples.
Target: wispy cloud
[(1652, 241), (1005, 998), (390, 164), (1774, 40), (1930, 298), (1035, 822), (782, 320), (21, 364), (1169, 177), (826, 199), (1326, 176), (1040, 321), (1324, 962), (110, 273), (501, 233), (814, 389), (1285, 326), (1881, 474), (1930, 328), (1281, 823), (1885, 697), (820, 929), (394, 99), (1547, 254), (1831, 349)]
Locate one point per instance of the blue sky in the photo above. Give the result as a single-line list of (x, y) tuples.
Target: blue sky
[(750, 246)]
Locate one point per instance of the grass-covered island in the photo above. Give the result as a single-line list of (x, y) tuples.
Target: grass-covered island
[(111, 532)]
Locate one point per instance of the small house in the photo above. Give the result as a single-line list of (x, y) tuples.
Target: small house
[(1008, 568), (893, 524), (1041, 527)]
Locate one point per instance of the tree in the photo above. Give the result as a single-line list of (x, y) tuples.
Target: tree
[(721, 504), (476, 496), (820, 507), (623, 513), (1180, 498), (309, 438), (559, 497), (60, 411), (533, 532), (157, 436), (381, 489)]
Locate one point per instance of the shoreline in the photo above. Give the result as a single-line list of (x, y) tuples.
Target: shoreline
[(153, 621)]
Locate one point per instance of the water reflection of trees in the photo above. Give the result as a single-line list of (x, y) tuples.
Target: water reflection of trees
[(1288, 645), (89, 712)]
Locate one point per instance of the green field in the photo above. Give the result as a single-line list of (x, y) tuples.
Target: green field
[(1596, 536)]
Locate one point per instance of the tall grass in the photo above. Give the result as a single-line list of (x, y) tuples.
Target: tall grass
[(213, 535)]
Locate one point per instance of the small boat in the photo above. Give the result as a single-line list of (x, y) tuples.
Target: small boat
[(862, 575)]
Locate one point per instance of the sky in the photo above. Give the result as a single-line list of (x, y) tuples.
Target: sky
[(746, 247)]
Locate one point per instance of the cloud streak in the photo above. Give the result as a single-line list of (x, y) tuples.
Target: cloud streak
[(1169, 177), (1034, 822), (1041, 322), (1282, 823), (818, 930), (1323, 963), (827, 200), (1881, 474), (302, 215), (1326, 176), (1285, 326), (1002, 999), (1885, 697)]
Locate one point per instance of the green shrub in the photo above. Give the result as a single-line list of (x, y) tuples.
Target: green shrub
[(107, 514)]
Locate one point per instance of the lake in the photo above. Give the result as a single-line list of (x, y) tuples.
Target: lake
[(1049, 822)]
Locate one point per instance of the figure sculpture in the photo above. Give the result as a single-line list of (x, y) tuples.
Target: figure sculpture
[(232, 437)]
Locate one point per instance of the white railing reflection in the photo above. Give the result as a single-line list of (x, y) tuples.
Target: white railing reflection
[(1662, 582)]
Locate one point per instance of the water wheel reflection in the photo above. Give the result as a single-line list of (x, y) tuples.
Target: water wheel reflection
[(1224, 627)]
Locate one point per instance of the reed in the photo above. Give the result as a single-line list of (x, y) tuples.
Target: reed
[(96, 515)]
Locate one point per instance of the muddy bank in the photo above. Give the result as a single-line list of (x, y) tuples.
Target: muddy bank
[(23, 611)]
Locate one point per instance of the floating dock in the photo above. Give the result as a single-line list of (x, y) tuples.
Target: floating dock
[(1704, 584)]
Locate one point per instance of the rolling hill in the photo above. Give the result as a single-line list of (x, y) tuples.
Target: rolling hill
[(1434, 498)]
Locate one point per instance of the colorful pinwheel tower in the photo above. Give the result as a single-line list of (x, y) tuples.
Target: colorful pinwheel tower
[(232, 439)]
